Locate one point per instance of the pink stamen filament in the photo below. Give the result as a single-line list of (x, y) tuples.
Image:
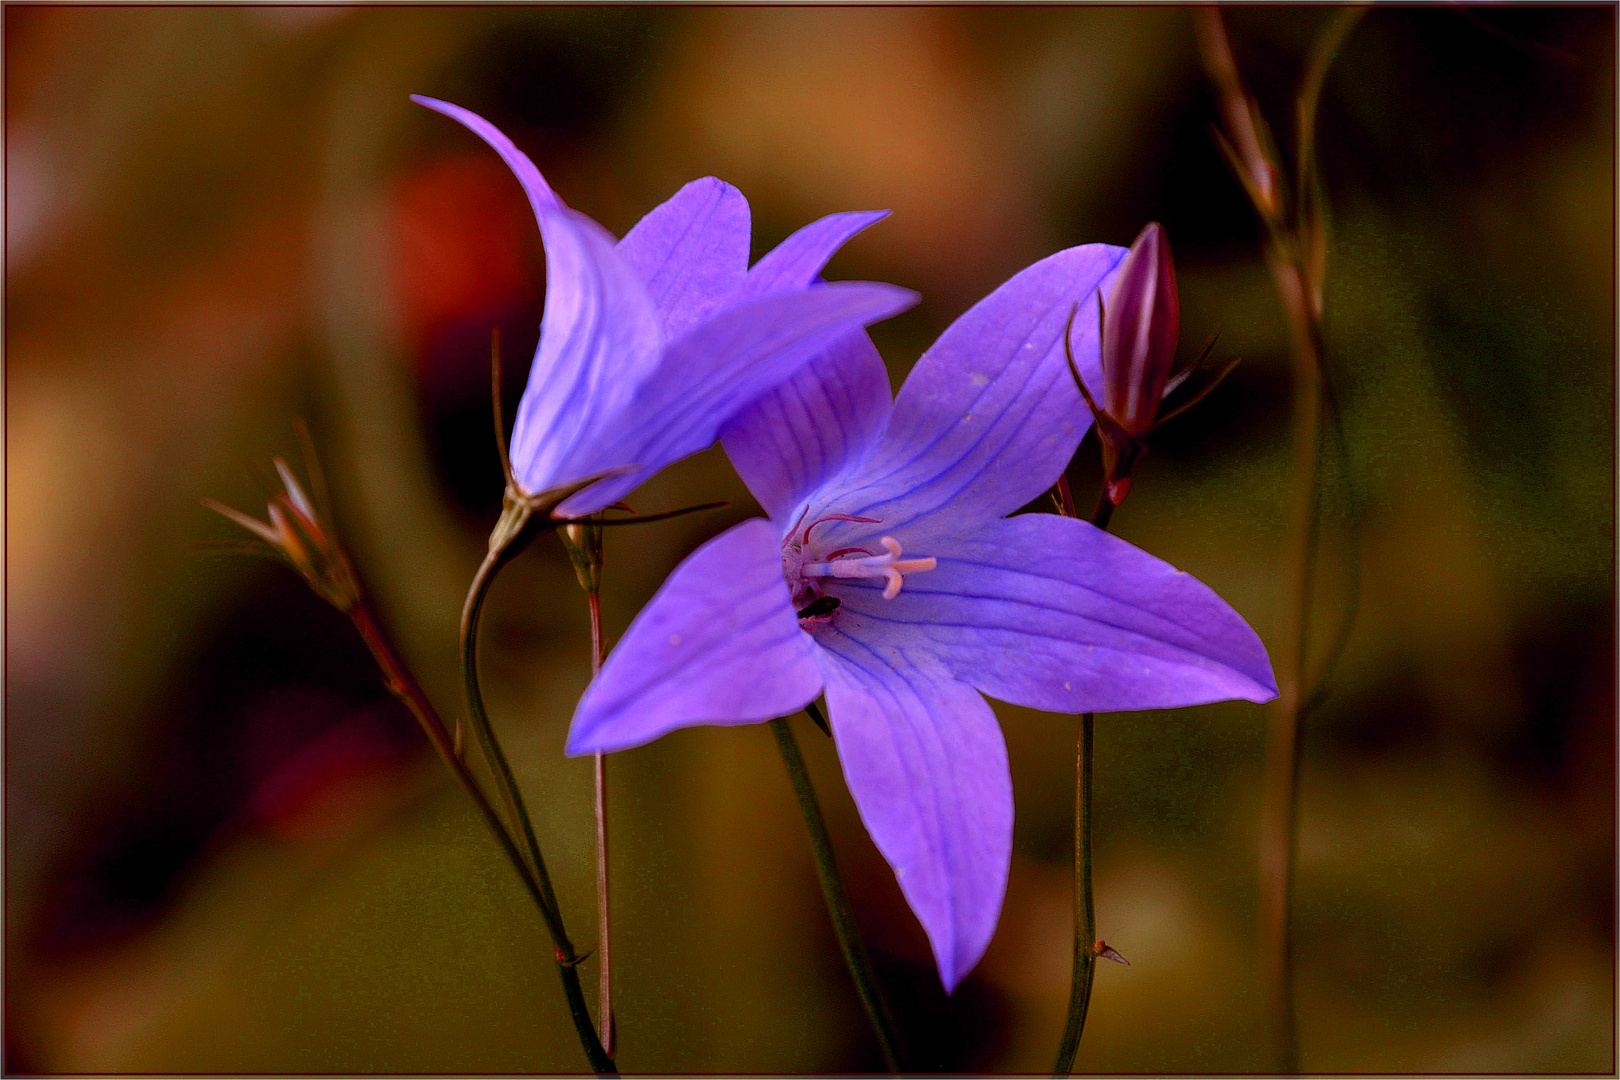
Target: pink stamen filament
[(891, 567), (834, 517), (849, 551), (802, 515)]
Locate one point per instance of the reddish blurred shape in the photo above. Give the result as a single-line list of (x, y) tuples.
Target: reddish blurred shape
[(333, 782), (465, 245)]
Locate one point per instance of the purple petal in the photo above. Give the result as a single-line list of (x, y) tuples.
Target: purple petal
[(719, 644), (1053, 613), (692, 252), (990, 416), (823, 419), (599, 336), (927, 766), (716, 369), (795, 262)]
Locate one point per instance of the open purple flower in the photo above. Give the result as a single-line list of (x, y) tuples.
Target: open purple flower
[(649, 344), (889, 576)]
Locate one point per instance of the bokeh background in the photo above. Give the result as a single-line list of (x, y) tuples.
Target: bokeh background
[(227, 849)]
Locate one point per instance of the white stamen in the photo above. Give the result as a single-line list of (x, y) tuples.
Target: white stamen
[(890, 567)]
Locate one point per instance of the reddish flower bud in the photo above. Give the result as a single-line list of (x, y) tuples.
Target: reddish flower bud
[(301, 536), (1141, 319)]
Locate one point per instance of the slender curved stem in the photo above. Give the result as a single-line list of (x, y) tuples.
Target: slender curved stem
[(832, 890), (505, 782), (1279, 807), (545, 897), (1085, 909), (405, 687), (1297, 260), (604, 936)]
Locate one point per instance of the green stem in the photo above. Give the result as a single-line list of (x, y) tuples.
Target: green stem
[(604, 934), (1085, 911), (832, 890), (405, 687), (545, 897), (505, 782)]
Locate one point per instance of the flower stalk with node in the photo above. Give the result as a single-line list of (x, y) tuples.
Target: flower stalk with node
[(1296, 253), (299, 533), (1139, 324)]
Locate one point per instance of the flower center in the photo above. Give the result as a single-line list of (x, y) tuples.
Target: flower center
[(889, 566), (806, 569)]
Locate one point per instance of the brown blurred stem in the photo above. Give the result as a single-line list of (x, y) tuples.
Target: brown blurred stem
[(604, 951), (1085, 908), (832, 891), (567, 959), (1296, 255), (404, 686)]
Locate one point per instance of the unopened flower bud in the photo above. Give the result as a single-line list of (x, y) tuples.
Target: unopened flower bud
[(298, 534), (583, 540), (1142, 317)]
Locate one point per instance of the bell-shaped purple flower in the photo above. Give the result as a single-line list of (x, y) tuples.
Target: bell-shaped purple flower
[(649, 344), (890, 577)]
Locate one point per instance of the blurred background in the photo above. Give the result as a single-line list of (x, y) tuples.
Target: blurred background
[(228, 850)]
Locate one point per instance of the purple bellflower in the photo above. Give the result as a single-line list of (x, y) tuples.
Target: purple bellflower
[(649, 344), (890, 577)]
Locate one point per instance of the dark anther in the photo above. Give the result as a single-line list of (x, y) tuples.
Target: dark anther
[(821, 605)]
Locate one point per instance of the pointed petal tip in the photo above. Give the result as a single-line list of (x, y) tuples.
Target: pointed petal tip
[(867, 217), (534, 184), (857, 221), (951, 975), (1264, 689), (588, 735), (898, 298), (955, 966), (925, 761), (718, 644), (874, 301), (579, 744), (439, 105), (713, 182), (1250, 680), (1256, 671)]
